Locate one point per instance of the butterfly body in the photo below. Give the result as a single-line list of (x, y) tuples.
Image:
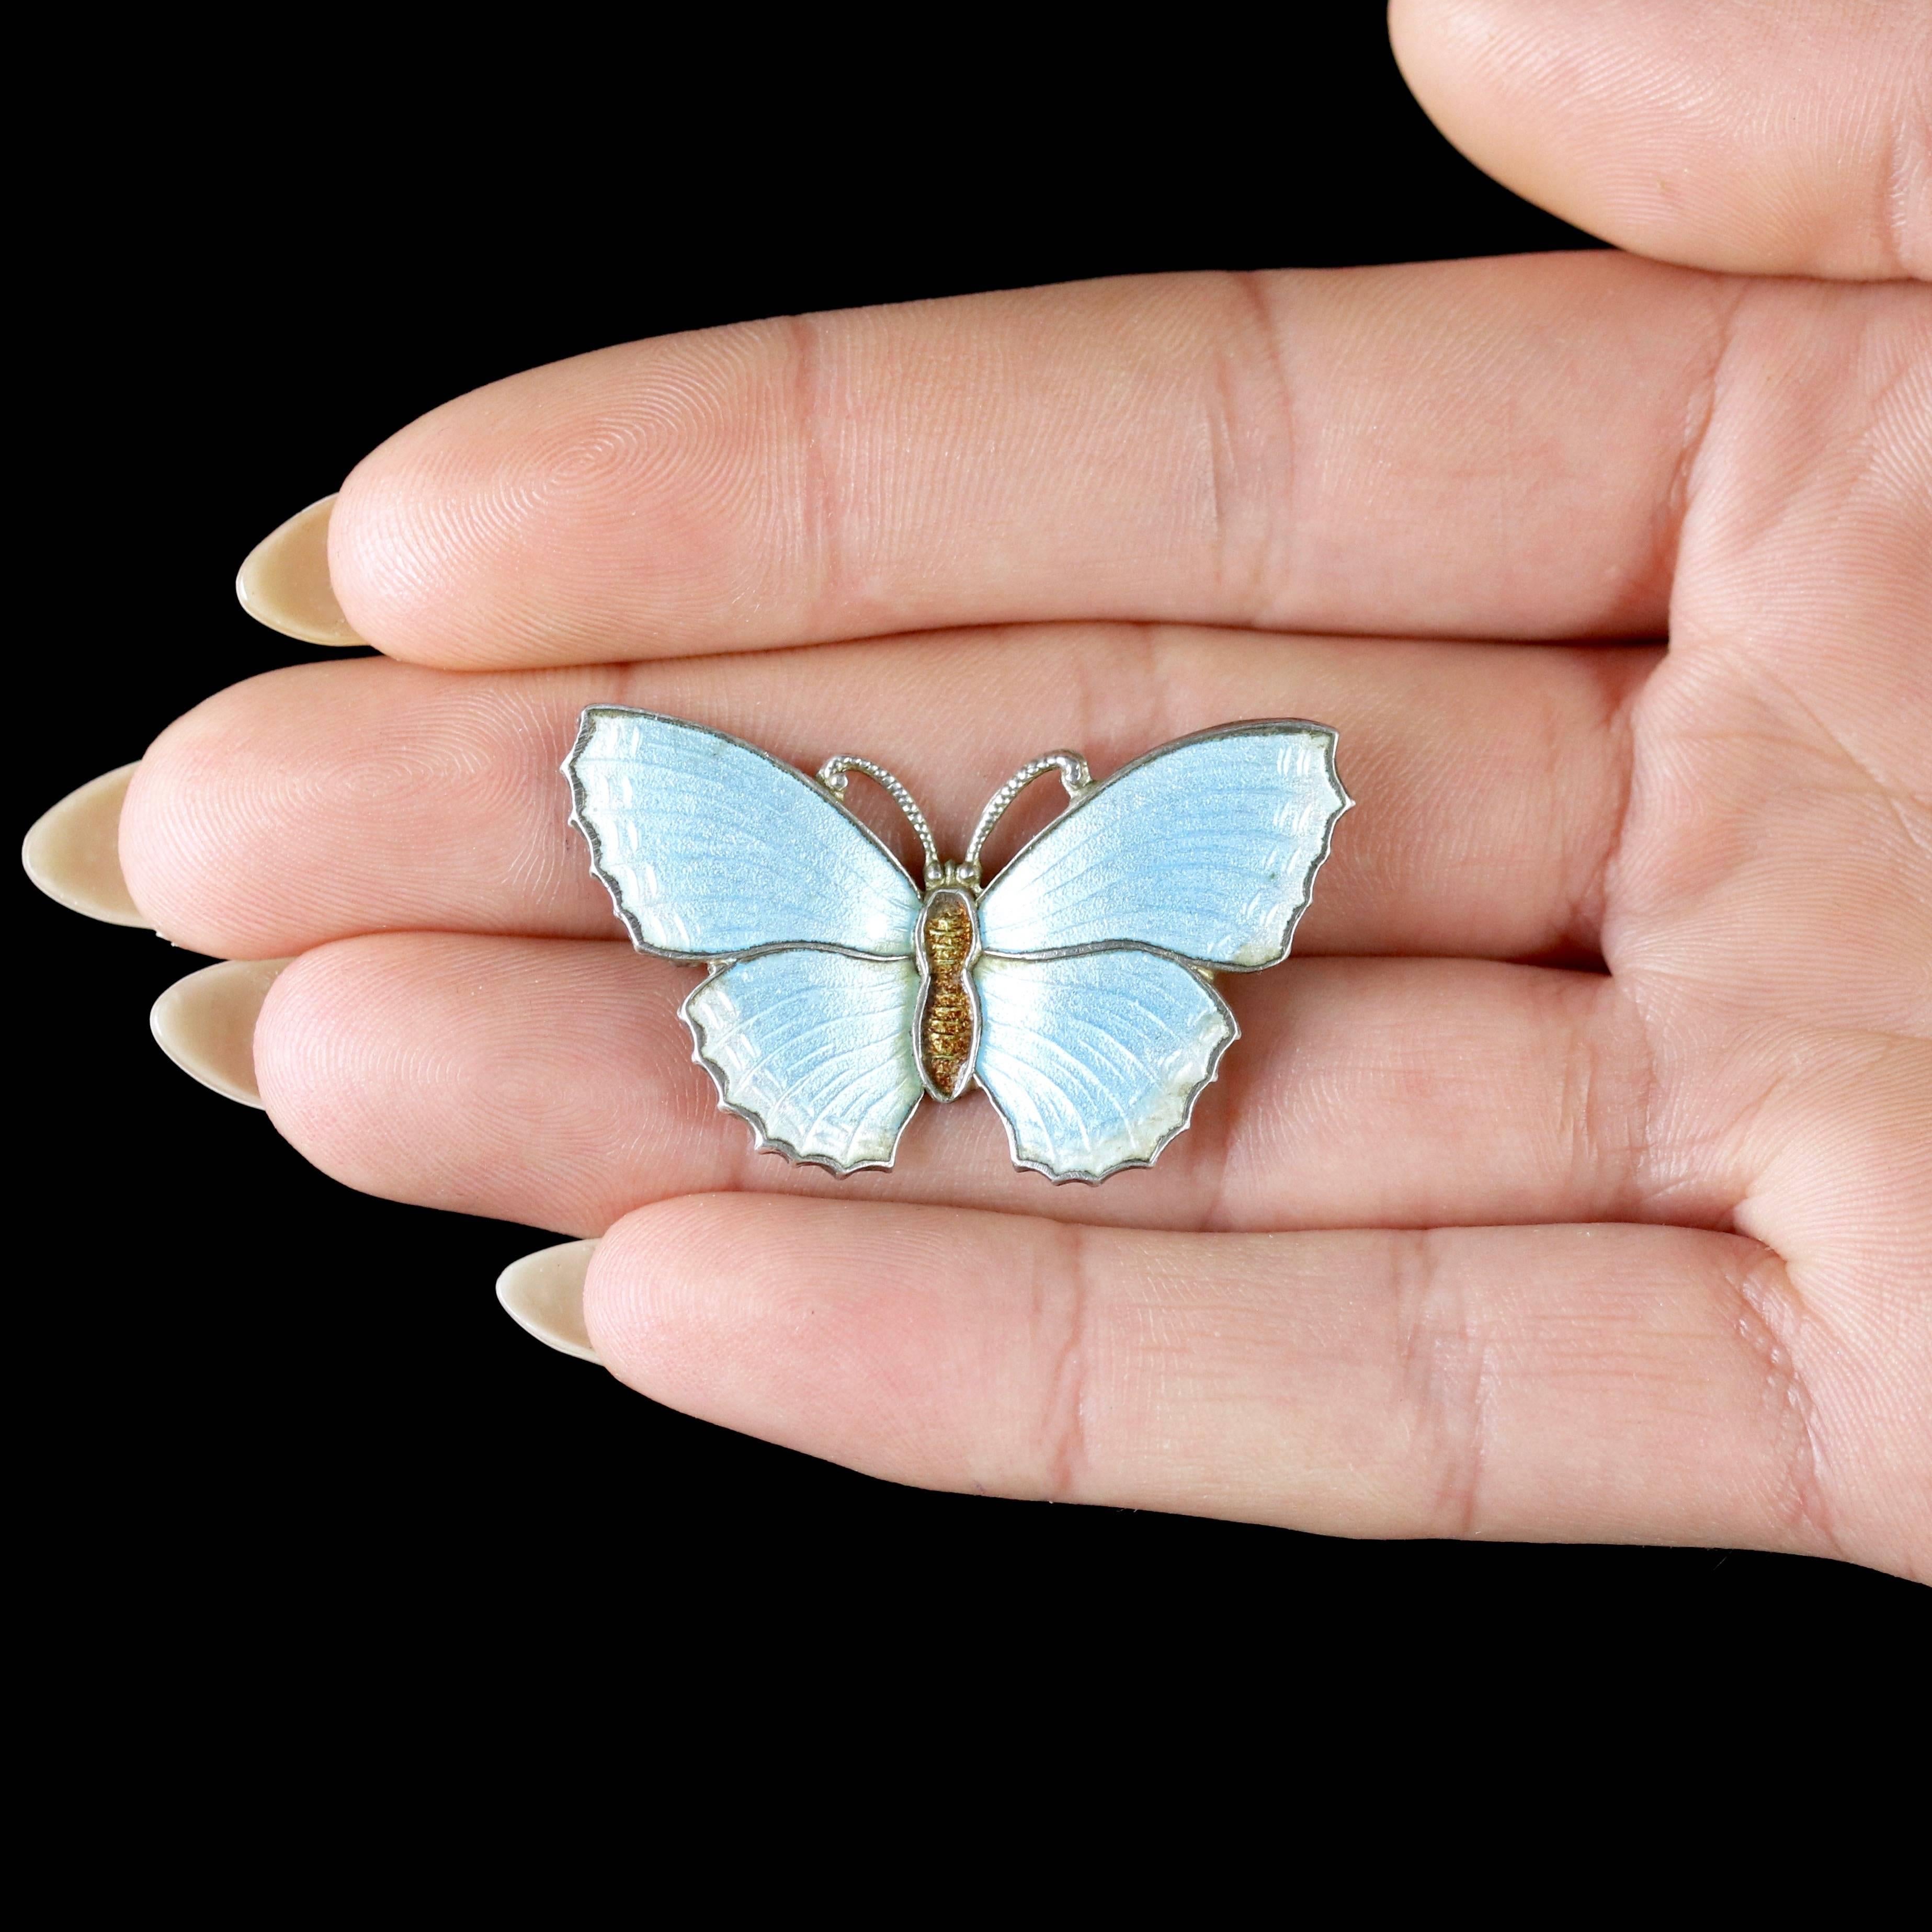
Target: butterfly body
[(946, 945), (1074, 989)]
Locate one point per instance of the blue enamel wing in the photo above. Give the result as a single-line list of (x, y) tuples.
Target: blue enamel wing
[(1076, 989)]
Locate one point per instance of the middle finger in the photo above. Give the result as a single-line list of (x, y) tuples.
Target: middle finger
[(317, 803)]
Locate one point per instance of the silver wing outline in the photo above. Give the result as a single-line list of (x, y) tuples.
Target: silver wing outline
[(815, 1049), (1203, 850), (1094, 1060), (711, 849)]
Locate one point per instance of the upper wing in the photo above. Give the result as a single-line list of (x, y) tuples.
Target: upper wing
[(1205, 849), (711, 848), (1094, 1061), (815, 1050)]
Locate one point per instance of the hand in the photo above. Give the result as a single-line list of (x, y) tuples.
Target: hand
[(1472, 1237)]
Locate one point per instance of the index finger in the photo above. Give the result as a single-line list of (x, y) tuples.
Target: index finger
[(1479, 448)]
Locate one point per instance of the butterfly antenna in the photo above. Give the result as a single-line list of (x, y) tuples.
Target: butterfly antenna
[(1074, 775), (832, 776)]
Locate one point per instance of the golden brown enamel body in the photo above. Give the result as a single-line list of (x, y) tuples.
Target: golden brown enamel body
[(946, 1020)]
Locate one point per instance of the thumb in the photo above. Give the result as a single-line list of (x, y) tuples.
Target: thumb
[(1793, 139)]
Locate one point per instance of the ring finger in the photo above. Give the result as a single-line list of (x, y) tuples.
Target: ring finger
[(550, 1081)]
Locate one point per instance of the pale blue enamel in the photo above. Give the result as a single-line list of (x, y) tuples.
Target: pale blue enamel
[(1206, 848), (815, 1049), (711, 848), (1094, 1060)]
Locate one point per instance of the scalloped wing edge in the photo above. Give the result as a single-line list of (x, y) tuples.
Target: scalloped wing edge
[(763, 1140), (1061, 1178)]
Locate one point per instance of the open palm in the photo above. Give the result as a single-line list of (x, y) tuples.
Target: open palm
[(1471, 1237)]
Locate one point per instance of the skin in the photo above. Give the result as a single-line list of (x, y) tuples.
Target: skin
[(1474, 1236)]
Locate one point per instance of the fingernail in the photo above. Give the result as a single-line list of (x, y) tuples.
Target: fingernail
[(283, 582), (205, 1024), (543, 1294), (73, 853)]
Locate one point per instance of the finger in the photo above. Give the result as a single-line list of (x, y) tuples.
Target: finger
[(1451, 449), (351, 797), (1793, 139), (1605, 1383), (551, 1082)]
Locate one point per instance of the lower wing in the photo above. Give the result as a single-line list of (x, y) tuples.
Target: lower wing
[(1094, 1061), (815, 1049)]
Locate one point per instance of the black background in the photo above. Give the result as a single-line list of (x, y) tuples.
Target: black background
[(296, 1416)]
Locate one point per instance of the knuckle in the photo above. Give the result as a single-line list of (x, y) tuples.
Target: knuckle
[(1447, 1367)]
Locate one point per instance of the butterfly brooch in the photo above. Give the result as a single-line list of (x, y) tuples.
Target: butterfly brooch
[(1076, 989)]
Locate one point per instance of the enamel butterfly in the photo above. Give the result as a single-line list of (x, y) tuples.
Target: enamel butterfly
[(1075, 988)]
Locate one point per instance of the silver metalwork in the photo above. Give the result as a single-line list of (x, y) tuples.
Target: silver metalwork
[(832, 776), (1074, 989), (1074, 775)]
